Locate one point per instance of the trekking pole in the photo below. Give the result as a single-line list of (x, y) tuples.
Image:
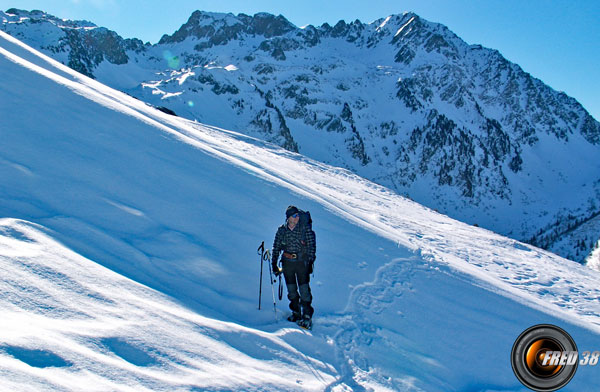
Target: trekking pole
[(267, 256), (280, 289), (261, 252)]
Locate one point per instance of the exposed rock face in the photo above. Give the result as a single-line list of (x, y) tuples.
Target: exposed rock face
[(85, 44), (220, 29)]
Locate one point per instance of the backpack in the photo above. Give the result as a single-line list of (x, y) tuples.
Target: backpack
[(305, 223), (305, 220)]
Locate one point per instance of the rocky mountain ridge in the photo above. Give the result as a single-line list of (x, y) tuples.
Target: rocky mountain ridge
[(401, 101)]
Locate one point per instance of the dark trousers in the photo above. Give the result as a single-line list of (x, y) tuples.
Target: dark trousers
[(297, 279)]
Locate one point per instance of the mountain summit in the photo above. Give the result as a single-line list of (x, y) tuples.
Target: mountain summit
[(219, 29), (401, 101)]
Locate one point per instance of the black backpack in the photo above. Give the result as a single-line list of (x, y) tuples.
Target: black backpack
[(305, 220), (305, 223)]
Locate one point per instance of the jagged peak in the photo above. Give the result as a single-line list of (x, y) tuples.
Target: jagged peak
[(20, 12), (395, 19), (203, 24), (270, 25), (384, 26), (205, 17), (266, 15), (351, 30), (221, 28), (42, 16)]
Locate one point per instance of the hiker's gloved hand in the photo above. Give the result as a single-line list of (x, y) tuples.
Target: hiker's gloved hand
[(276, 270), (311, 263)]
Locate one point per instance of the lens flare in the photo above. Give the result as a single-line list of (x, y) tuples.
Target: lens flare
[(172, 61)]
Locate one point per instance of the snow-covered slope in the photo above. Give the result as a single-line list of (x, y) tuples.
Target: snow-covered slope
[(70, 324), (593, 259), (401, 101), (178, 209)]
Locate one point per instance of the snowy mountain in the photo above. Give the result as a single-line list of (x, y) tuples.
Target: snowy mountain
[(127, 250), (401, 101)]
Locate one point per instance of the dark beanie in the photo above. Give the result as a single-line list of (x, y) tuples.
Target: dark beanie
[(291, 210)]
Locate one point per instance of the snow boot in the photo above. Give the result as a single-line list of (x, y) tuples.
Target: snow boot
[(305, 322), (294, 317)]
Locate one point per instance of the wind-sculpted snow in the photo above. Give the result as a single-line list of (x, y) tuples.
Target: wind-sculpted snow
[(70, 324), (172, 212)]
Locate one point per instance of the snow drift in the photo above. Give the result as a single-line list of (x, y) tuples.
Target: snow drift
[(128, 250)]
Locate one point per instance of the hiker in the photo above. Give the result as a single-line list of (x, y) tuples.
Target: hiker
[(296, 240)]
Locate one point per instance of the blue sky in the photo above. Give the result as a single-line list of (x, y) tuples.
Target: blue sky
[(557, 41)]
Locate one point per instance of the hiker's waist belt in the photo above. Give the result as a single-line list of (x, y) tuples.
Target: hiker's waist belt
[(290, 256)]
